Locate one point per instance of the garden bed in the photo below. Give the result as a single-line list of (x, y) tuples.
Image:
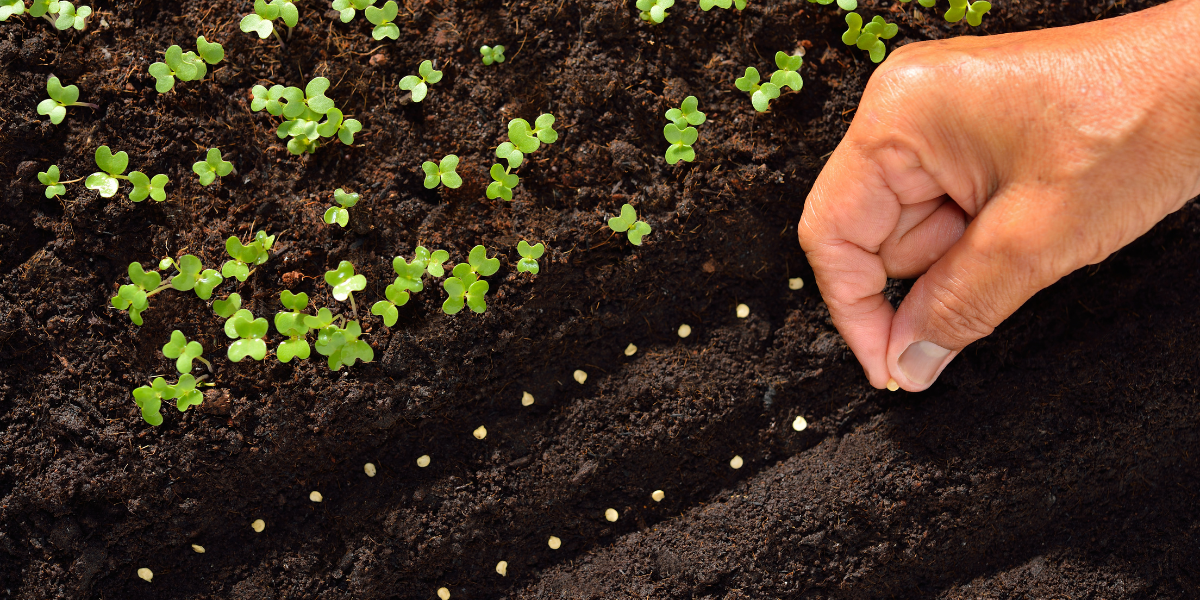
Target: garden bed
[(1057, 458)]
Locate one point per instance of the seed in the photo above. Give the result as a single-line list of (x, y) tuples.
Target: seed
[(630, 350), (198, 548), (526, 399), (444, 593), (799, 424), (658, 495), (892, 385), (369, 469), (611, 514), (554, 543), (480, 433), (795, 283), (580, 376), (685, 330), (736, 462), (502, 568), (316, 496), (743, 311), (258, 525), (423, 461), (145, 573)]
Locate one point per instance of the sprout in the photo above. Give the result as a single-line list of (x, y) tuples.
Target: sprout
[(342, 345), (49, 178), (184, 352), (408, 279), (149, 398), (212, 167), (69, 16), (227, 307), (492, 54), (465, 287), (973, 11), (387, 308), (261, 20), (186, 66), (249, 333), (681, 141), (654, 11), (294, 326), (707, 5), (529, 255), (848, 4), (760, 95), (339, 214), (134, 297), (786, 75), (628, 221), (382, 19), (144, 186), (686, 114), (503, 182), (9, 8), (60, 98), (347, 8), (420, 85), (344, 283), (869, 37), (528, 139), (302, 111), (508, 152), (242, 256), (442, 172), (112, 166)]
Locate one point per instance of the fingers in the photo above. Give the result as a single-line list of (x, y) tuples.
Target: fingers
[(925, 232)]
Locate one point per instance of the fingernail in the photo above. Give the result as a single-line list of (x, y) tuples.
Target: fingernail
[(921, 360)]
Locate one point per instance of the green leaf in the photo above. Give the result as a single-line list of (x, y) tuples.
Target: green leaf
[(638, 230), (254, 348), (976, 11), (189, 273), (208, 280), (387, 310), (315, 96), (337, 215), (624, 221), (235, 269), (419, 92), (480, 263), (521, 136), (104, 183), (144, 186), (432, 176), (321, 320), (344, 282), (256, 24), (762, 98), (295, 348), (147, 280), (677, 153), (347, 130), (296, 302), (428, 73), (507, 151), (544, 128), (409, 274), (211, 52), (113, 164), (854, 28), (345, 199), (228, 307), (446, 168), (749, 81), (434, 264), (527, 251)]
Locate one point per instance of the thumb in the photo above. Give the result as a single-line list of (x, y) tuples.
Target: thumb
[(1005, 256)]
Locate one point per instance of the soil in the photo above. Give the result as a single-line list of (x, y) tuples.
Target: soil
[(1053, 459)]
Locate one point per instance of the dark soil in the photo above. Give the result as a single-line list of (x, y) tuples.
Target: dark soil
[(1058, 458)]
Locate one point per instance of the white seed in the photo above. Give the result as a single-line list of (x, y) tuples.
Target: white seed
[(198, 548), (743, 311), (502, 568), (580, 376), (630, 350), (258, 525), (611, 514), (554, 543), (145, 573), (526, 399), (736, 462), (892, 385), (444, 593), (658, 495), (800, 424), (316, 496), (423, 461), (795, 283), (369, 469), (685, 330), (480, 433)]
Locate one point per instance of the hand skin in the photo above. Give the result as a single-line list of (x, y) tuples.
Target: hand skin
[(992, 167)]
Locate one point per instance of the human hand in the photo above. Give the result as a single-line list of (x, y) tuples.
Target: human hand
[(994, 166)]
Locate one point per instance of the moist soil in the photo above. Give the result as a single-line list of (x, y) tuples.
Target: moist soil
[(1057, 458)]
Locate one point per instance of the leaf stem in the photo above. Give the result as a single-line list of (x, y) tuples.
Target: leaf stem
[(72, 181), (206, 364), (353, 309)]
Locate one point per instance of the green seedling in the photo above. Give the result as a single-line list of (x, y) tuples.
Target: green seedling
[(629, 222), (69, 16), (149, 398), (869, 37), (508, 152), (528, 139), (503, 182), (707, 5), (185, 66), (408, 279), (112, 166), (492, 54), (382, 19), (686, 114), (654, 11), (442, 172), (339, 214), (249, 333), (762, 94), (243, 256), (135, 297), (787, 74), (845, 4), (261, 21), (184, 352), (9, 8), (294, 326), (433, 261), (465, 287), (344, 283), (973, 11), (227, 307), (192, 276), (681, 141), (60, 98), (302, 111), (346, 8), (419, 86), (342, 346), (212, 167), (54, 187), (395, 297), (529, 255), (144, 186)]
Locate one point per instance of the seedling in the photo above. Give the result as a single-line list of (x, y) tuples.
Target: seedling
[(528, 139), (112, 166), (465, 287), (9, 8), (382, 19), (69, 16), (346, 8), (60, 98), (302, 111), (420, 85), (845, 4), (261, 21), (787, 74), (442, 172), (686, 114), (227, 307), (681, 143), (629, 222), (761, 95), (134, 297), (191, 276), (503, 182), (654, 11), (408, 279), (973, 11), (869, 37), (54, 187), (243, 256), (293, 325), (249, 333), (492, 54), (529, 255), (212, 167), (707, 5), (508, 152), (185, 66), (344, 283), (184, 352), (342, 346), (149, 398), (339, 214)]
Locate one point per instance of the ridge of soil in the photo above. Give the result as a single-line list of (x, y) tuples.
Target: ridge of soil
[(1053, 459)]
